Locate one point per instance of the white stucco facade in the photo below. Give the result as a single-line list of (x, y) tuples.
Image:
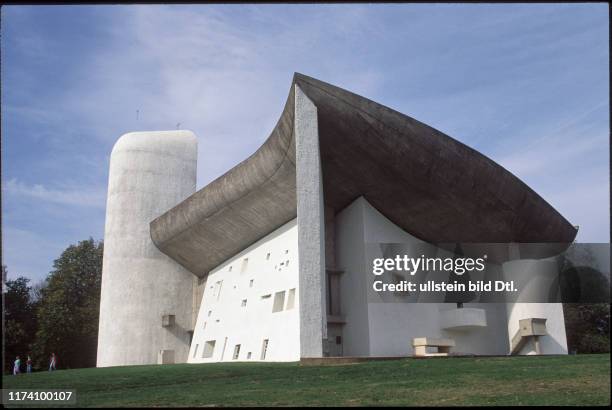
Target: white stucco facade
[(536, 275), (238, 303), (385, 329), (250, 299)]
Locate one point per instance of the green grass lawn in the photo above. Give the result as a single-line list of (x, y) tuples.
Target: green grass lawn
[(543, 380)]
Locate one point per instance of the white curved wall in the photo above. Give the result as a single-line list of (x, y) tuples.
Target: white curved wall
[(386, 328), (150, 172), (542, 273)]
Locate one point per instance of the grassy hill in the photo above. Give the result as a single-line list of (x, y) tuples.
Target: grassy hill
[(552, 380)]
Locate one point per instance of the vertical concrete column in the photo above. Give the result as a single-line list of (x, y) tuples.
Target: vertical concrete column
[(311, 228), (150, 172)]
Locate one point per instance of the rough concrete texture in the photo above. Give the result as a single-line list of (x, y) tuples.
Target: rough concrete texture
[(427, 183), (237, 209), (149, 173), (311, 228)]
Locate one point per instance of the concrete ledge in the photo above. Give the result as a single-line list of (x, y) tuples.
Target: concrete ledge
[(463, 319), (422, 343), (430, 341)]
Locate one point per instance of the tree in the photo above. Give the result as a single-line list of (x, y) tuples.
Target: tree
[(19, 319), (587, 326), (69, 307), (583, 286), (36, 290)]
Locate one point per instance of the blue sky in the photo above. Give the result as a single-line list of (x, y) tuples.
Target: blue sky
[(526, 85)]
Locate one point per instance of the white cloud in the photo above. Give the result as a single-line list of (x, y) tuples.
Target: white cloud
[(559, 157), (27, 253), (197, 67), (74, 196), (585, 202)]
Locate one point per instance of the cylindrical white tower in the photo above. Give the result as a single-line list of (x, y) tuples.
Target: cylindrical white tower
[(145, 305)]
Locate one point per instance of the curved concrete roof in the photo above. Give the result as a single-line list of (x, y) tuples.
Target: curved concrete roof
[(424, 181)]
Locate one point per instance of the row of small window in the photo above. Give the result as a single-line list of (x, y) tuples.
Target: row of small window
[(245, 262), (277, 306), (279, 300), (209, 350), (217, 286)]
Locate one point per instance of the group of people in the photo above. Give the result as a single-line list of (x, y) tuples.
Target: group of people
[(17, 365)]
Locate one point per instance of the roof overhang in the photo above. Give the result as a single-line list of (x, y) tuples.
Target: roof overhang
[(424, 181)]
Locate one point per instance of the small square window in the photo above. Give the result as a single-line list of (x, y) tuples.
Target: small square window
[(264, 349), (244, 302), (251, 283), (268, 256), (195, 351), (279, 301), (248, 355), (245, 264), (236, 352), (209, 348), (291, 299), (217, 291)]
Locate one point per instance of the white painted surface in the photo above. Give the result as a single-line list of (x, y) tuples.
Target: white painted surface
[(375, 329), (311, 228), (350, 257), (386, 329), (272, 266), (523, 271), (463, 319), (150, 172), (555, 342)]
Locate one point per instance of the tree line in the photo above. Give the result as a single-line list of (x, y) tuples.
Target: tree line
[(59, 315)]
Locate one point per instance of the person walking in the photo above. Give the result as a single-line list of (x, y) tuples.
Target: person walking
[(17, 366), (29, 364), (52, 362)]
